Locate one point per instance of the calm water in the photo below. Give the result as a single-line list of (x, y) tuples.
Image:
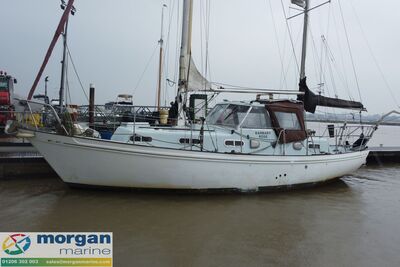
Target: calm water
[(352, 222)]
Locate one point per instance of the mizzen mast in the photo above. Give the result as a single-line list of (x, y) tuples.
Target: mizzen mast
[(305, 4)]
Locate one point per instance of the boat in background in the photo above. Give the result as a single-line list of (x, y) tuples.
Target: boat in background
[(6, 98)]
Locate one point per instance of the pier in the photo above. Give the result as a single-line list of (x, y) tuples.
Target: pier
[(382, 155)]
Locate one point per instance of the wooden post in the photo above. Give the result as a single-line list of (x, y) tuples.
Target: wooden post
[(91, 105)]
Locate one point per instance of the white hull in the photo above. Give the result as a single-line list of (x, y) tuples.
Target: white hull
[(105, 163)]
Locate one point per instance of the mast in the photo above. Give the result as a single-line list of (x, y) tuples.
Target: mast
[(186, 42), (63, 62), (304, 46), (161, 42), (184, 59), (60, 27), (310, 100)]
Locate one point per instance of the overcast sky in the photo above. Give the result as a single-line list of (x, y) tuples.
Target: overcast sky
[(112, 43)]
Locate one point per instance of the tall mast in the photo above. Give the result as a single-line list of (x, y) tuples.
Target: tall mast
[(304, 47), (161, 42), (186, 43), (61, 96), (184, 59)]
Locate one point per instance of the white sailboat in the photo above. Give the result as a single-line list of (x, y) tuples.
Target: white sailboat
[(240, 145)]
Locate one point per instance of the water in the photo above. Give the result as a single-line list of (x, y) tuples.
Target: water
[(352, 222)]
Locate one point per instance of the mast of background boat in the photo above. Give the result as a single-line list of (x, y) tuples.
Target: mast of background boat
[(63, 62), (69, 8), (304, 47), (161, 42), (184, 59)]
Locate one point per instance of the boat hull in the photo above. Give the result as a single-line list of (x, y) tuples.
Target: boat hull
[(94, 162)]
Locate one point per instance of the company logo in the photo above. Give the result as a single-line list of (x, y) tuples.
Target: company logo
[(16, 244)]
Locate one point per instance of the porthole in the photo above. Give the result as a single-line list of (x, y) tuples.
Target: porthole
[(234, 143), (187, 141)]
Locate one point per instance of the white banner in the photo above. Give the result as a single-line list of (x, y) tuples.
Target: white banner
[(56, 249)]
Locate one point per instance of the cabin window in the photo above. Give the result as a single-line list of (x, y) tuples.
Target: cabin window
[(288, 120), (314, 146), (3, 85), (187, 141), (258, 118), (234, 143), (231, 116), (215, 113)]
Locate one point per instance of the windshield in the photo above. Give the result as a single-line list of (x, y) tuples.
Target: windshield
[(227, 115), (215, 113), (258, 118), (3, 84)]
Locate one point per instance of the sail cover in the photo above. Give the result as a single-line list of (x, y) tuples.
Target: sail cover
[(311, 101)]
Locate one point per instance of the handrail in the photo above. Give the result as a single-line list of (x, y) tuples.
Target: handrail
[(25, 102), (386, 115), (347, 134)]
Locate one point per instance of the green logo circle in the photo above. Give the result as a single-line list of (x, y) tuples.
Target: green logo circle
[(16, 244)]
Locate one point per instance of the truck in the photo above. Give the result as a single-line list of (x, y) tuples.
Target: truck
[(6, 98)]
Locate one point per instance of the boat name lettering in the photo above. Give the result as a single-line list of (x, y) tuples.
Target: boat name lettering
[(263, 132)]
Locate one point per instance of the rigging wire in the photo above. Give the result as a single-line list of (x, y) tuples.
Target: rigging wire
[(145, 69), (342, 61), (204, 29), (349, 47), (318, 61), (231, 86), (331, 61), (76, 73), (331, 69), (289, 64), (283, 81), (283, 77), (322, 65), (374, 57), (323, 80), (316, 58), (291, 39), (67, 91), (325, 59)]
